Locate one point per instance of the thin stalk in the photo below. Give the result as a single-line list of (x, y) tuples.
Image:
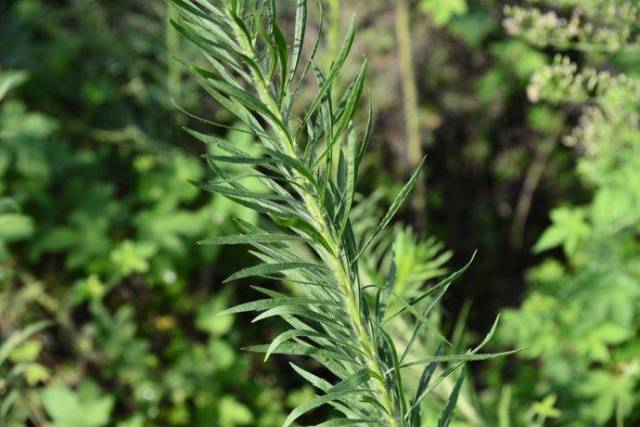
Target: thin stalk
[(410, 107), (172, 42), (503, 407), (336, 259), (529, 187), (335, 29)]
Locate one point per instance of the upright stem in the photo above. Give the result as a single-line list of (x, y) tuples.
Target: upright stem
[(410, 107), (529, 186), (335, 29), (172, 42), (338, 262)]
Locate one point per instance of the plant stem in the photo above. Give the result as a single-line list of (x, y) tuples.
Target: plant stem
[(529, 186), (410, 106), (336, 259), (333, 33), (172, 42)]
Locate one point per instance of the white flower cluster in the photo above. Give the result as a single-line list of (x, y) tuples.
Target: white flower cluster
[(562, 81), (610, 101), (615, 121), (541, 28), (590, 25)]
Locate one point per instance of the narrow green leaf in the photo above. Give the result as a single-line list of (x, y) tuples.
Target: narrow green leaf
[(262, 269), (297, 349), (467, 357), (287, 336), (219, 142), (350, 189), (348, 422), (425, 377), (282, 53), (313, 379), (422, 320), (326, 107), (364, 146), (304, 227), (183, 5), (298, 40), (392, 359), (488, 337), (334, 70), (236, 192), (444, 283), (296, 310), (266, 304), (244, 97), (294, 94), (295, 164), (395, 206), (250, 239), (346, 111), (235, 108), (343, 388), (268, 208), (446, 417), (219, 53)]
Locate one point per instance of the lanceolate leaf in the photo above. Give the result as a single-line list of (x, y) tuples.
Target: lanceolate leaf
[(344, 388), (414, 410), (289, 335), (467, 357), (446, 417), (395, 206), (250, 239), (302, 312), (367, 137), (296, 349), (219, 142), (350, 190), (336, 66), (346, 110), (436, 289), (263, 269), (270, 303), (298, 41)]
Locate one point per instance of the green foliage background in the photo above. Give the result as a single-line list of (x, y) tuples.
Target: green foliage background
[(529, 161)]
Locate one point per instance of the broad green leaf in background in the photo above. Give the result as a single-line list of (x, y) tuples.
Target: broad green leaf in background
[(234, 413), (442, 11), (86, 407), (569, 229)]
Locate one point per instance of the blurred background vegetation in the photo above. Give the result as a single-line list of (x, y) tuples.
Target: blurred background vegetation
[(533, 159)]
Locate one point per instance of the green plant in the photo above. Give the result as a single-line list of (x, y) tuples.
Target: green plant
[(415, 261), (14, 225), (18, 351), (86, 408), (580, 318), (18, 367), (443, 11), (308, 194)]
